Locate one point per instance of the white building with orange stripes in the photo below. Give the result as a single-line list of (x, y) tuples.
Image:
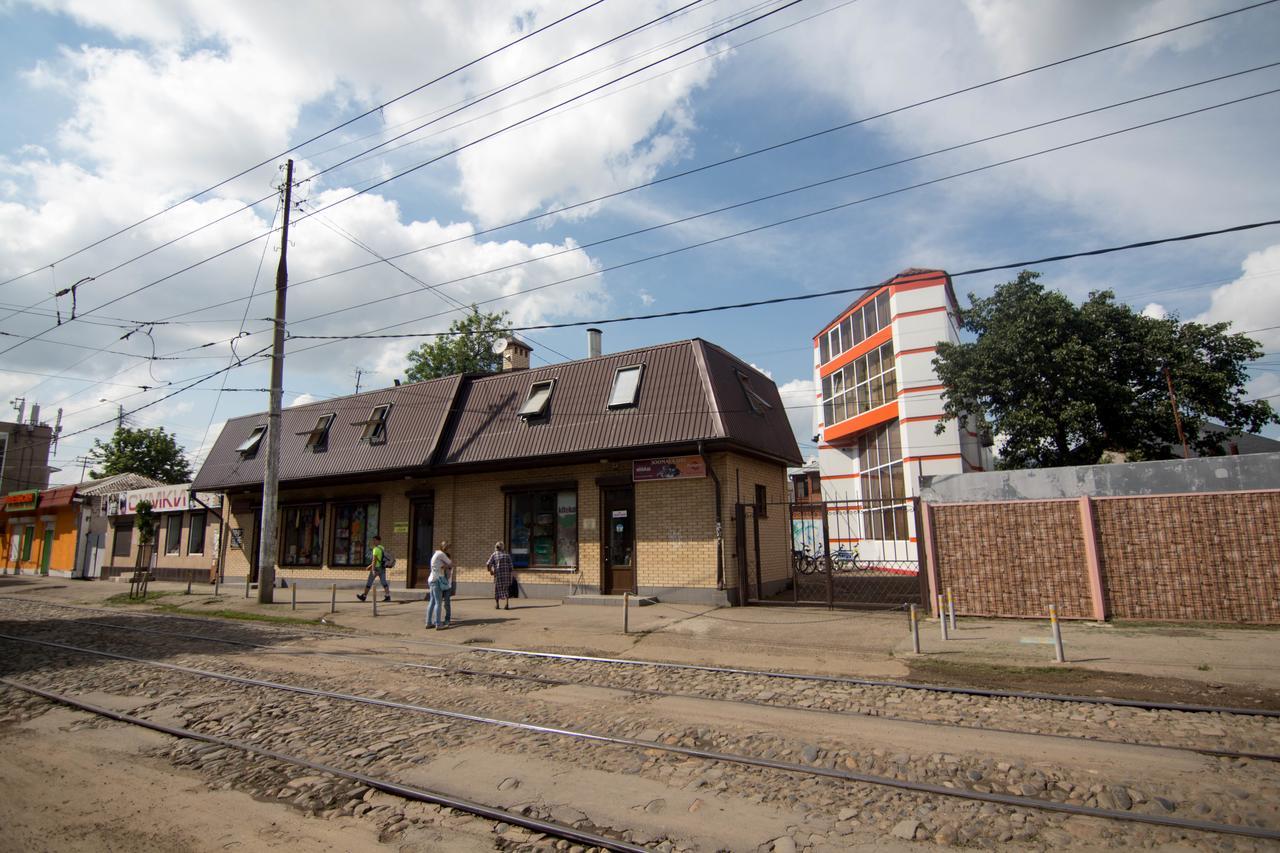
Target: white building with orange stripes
[(880, 403)]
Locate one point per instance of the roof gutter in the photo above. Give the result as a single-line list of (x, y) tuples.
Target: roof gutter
[(719, 519)]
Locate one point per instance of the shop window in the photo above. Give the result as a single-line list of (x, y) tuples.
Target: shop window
[(301, 535), (626, 387), (173, 533), (883, 483), (354, 526), (249, 447), (539, 400), (121, 543), (542, 527), (195, 533), (318, 437), (375, 426)]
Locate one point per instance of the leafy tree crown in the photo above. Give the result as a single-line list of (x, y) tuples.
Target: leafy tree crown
[(151, 452), (466, 348)]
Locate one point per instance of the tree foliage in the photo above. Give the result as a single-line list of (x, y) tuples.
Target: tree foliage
[(1063, 384), (145, 520), (150, 452), (467, 348)]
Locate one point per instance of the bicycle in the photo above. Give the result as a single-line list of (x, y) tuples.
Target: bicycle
[(845, 560), (803, 562)]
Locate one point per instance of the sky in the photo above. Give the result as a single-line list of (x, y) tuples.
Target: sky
[(115, 110)]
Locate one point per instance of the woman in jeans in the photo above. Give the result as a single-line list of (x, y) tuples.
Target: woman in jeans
[(440, 581)]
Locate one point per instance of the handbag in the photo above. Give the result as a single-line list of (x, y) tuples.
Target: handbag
[(513, 591)]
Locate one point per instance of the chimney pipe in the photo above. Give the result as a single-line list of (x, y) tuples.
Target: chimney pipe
[(35, 414), (593, 343)]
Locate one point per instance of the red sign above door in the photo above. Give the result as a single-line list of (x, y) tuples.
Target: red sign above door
[(671, 468)]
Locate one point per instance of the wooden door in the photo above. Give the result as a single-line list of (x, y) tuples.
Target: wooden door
[(618, 553), (421, 543)]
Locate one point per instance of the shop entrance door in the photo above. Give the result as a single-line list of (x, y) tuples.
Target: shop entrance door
[(618, 573), (422, 542), (46, 553)]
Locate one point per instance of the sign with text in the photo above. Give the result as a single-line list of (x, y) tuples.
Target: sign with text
[(671, 468), (19, 501), (167, 499)]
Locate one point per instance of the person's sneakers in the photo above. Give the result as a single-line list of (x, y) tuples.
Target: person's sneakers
[(386, 598), (362, 596)]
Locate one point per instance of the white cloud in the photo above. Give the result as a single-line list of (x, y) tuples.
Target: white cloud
[(1249, 303), (798, 397), (1155, 311), (646, 298)]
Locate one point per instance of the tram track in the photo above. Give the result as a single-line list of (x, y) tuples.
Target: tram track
[(1189, 708), (744, 760), (669, 694)]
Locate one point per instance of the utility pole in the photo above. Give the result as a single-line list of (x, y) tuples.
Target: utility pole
[(270, 474), (119, 416), (360, 372), (1177, 418)]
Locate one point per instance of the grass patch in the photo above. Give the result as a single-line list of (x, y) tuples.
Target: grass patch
[(955, 668), (123, 598)]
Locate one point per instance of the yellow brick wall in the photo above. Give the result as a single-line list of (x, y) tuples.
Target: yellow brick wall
[(675, 523), (740, 475)]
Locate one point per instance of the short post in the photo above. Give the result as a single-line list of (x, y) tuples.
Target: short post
[(215, 587), (293, 597), (942, 619), (247, 578), (951, 609), (375, 603), (915, 631), (1057, 634), (333, 598), (188, 592), (626, 612)]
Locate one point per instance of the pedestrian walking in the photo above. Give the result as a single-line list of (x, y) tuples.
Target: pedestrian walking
[(499, 566), (377, 569), (440, 581)]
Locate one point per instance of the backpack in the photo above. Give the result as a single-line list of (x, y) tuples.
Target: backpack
[(388, 561)]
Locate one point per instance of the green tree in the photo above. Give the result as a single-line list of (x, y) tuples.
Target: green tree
[(1064, 384), (466, 348), (150, 452)]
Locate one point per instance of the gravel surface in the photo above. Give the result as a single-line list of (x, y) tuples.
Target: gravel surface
[(820, 813)]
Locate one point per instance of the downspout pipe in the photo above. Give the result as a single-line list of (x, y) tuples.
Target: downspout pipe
[(719, 519)]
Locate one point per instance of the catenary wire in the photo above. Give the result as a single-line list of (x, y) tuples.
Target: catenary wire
[(318, 136)]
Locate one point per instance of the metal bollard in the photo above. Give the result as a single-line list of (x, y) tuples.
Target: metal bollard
[(375, 603), (915, 631), (951, 609), (215, 587), (626, 612), (246, 584), (942, 619), (333, 598), (188, 592), (1057, 634), (293, 597)]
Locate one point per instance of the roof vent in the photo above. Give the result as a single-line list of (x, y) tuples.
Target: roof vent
[(593, 343)]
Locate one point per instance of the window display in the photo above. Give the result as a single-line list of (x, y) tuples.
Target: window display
[(300, 535), (354, 526), (543, 529)]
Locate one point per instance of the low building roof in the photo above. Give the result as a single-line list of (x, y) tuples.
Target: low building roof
[(689, 391), (116, 483), (57, 496)]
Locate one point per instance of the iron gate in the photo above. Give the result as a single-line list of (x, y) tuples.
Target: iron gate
[(855, 553)]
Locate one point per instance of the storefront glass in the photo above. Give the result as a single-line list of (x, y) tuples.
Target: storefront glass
[(543, 529), (354, 526)]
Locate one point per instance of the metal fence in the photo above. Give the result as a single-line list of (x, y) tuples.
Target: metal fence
[(856, 553)]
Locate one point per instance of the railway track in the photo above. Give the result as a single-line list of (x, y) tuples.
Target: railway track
[(739, 759), (1189, 708), (544, 680)]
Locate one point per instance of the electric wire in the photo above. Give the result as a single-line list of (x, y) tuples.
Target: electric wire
[(312, 139)]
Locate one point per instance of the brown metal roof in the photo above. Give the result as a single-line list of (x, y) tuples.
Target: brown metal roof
[(690, 391), (57, 496), (414, 424)]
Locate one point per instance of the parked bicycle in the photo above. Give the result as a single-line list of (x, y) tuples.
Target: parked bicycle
[(843, 559)]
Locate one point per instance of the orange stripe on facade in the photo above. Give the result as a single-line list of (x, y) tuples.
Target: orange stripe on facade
[(905, 391), (918, 313), (866, 420), (913, 351), (874, 342), (841, 476), (937, 279), (922, 418), (932, 456)]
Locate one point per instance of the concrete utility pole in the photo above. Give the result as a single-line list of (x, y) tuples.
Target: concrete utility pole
[(1177, 417), (270, 474)]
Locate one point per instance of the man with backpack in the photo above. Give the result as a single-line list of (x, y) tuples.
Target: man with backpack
[(377, 569)]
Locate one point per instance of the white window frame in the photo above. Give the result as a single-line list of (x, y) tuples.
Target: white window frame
[(375, 426), (318, 435), (633, 399), (537, 404), (249, 447)]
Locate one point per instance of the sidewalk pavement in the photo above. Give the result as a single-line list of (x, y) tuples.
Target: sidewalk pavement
[(840, 642)]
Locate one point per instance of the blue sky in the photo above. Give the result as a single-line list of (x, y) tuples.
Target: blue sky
[(115, 110)]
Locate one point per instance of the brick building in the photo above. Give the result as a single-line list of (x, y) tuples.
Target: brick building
[(614, 473), (188, 536)]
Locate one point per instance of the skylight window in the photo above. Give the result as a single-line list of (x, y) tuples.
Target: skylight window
[(759, 405), (539, 399), (626, 387), (318, 437), (249, 447), (375, 427)]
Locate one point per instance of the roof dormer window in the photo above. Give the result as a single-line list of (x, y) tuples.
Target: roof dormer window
[(318, 437), (759, 405), (626, 387), (539, 400), (249, 447), (375, 426)]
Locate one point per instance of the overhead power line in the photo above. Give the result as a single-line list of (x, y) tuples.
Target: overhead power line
[(318, 136), (403, 173)]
